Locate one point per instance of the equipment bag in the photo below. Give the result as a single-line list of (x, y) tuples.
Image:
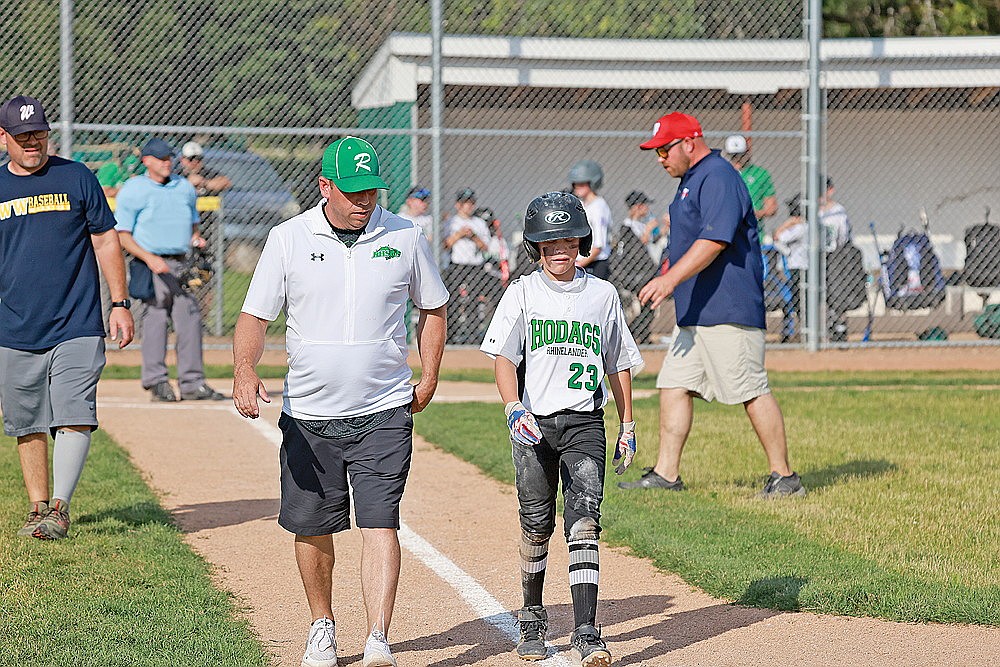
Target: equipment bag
[(982, 256), (845, 279), (140, 280), (987, 323), (913, 273)]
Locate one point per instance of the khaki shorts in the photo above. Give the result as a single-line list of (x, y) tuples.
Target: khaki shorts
[(724, 362)]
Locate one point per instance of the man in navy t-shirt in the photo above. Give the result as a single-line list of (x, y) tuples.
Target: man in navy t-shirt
[(716, 279), (55, 228)]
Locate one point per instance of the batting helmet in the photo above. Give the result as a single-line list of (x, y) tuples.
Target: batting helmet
[(556, 215), (587, 171)]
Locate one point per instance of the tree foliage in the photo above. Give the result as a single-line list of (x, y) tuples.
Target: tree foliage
[(923, 18), (293, 62)]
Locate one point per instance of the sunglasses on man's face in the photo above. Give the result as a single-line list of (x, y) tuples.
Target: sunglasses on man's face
[(39, 135), (664, 151)]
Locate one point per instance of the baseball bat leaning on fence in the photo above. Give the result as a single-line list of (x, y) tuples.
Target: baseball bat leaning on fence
[(882, 287)]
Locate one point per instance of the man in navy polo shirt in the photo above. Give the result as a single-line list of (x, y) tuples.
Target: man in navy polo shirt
[(716, 279), (54, 223), (158, 224)]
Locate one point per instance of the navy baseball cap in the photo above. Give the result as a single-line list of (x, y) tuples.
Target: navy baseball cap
[(637, 197), (158, 148), (418, 193), (23, 114), (465, 194)]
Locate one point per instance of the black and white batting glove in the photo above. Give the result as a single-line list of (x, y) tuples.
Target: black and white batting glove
[(625, 448), (523, 427)]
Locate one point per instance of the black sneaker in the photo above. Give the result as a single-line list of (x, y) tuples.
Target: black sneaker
[(203, 393), (780, 487), (163, 392), (534, 622), (593, 651), (650, 480)]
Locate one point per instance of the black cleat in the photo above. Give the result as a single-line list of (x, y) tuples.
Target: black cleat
[(593, 651), (203, 393), (163, 392), (534, 622)]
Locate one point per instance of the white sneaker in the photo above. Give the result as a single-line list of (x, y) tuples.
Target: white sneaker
[(377, 651), (321, 648)]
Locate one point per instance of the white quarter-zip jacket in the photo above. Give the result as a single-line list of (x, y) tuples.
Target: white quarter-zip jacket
[(345, 310)]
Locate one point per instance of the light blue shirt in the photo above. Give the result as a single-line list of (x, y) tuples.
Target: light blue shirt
[(159, 216)]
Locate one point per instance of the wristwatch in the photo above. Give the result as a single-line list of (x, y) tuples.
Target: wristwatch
[(124, 303)]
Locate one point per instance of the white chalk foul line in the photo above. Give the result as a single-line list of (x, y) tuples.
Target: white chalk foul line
[(482, 603)]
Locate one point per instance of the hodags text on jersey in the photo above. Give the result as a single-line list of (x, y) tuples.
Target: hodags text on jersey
[(548, 332)]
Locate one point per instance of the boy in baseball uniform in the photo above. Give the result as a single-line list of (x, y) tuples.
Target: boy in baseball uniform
[(556, 333)]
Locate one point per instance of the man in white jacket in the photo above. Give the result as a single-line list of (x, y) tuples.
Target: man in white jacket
[(342, 271)]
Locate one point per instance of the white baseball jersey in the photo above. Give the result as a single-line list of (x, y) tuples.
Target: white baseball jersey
[(465, 251), (425, 222), (345, 309), (565, 337), (599, 217)]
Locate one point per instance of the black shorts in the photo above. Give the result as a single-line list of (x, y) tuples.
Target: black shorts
[(315, 496)]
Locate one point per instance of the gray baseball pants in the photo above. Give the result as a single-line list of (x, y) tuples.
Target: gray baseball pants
[(171, 304)]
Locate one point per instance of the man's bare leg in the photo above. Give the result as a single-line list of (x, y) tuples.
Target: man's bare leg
[(769, 424), (33, 450), (676, 414), (315, 558), (380, 559)]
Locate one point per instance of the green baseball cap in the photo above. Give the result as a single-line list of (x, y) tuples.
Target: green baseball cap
[(352, 164)]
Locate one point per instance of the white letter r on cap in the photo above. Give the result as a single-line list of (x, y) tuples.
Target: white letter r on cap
[(361, 162)]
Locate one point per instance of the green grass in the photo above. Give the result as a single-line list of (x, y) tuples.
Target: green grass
[(900, 521), (234, 290), (124, 590), (780, 380), (115, 372)]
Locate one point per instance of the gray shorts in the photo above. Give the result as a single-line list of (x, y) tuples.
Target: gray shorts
[(315, 498), (41, 391)]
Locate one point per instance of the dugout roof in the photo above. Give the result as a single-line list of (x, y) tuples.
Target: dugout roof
[(751, 67)]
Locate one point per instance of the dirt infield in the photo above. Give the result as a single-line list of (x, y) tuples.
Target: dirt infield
[(985, 358), (217, 474)]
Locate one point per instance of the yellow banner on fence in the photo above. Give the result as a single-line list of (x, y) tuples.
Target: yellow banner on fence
[(203, 204)]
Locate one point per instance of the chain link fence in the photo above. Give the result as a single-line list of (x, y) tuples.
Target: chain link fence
[(530, 89)]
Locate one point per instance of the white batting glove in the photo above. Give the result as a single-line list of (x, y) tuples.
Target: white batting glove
[(625, 449), (523, 427)]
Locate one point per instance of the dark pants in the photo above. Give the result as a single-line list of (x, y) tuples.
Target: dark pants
[(573, 448), (469, 288), (600, 268), (792, 323), (171, 304)]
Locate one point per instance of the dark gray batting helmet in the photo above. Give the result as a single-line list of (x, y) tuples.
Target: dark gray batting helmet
[(587, 171), (555, 215)]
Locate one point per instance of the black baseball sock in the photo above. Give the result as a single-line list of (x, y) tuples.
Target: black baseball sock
[(534, 557), (584, 573)]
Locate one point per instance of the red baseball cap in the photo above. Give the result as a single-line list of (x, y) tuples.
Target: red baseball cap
[(671, 127)]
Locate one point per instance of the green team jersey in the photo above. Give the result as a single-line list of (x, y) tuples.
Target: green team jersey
[(759, 184), (111, 174)]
